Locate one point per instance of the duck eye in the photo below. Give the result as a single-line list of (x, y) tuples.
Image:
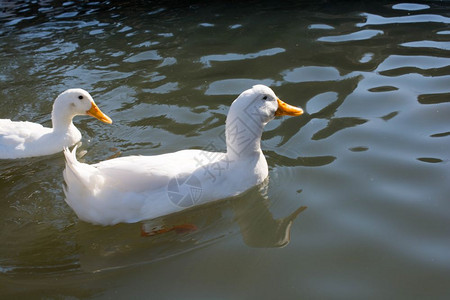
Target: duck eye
[(80, 97), (265, 98)]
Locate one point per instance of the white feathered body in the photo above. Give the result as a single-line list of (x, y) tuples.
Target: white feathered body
[(136, 188), (27, 139)]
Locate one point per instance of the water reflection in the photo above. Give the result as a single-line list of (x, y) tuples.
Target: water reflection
[(58, 248), (320, 26), (421, 62), (428, 44), (354, 36), (312, 74), (410, 6), (434, 98), (372, 19), (103, 248), (235, 86), (335, 125), (206, 60), (258, 226)]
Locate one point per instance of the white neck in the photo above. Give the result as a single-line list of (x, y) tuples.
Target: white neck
[(61, 119), (243, 134)]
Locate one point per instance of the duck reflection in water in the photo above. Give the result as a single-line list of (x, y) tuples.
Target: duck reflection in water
[(130, 244), (258, 227)]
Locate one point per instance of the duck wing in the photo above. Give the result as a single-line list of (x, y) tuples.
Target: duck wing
[(125, 189), (146, 173)]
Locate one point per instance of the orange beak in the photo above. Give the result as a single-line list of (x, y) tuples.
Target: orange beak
[(285, 109), (95, 112)]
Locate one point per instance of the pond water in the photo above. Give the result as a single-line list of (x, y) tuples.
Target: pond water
[(357, 204)]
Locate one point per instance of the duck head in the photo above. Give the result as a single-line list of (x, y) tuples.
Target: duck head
[(260, 104), (248, 115), (74, 102)]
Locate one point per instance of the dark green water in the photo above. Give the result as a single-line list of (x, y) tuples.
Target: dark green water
[(357, 205)]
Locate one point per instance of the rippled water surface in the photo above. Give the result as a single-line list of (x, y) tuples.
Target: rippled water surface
[(357, 204)]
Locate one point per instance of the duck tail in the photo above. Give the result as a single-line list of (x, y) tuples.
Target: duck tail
[(80, 186), (73, 173)]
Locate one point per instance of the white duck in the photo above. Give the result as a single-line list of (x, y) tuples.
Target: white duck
[(135, 188), (27, 139)]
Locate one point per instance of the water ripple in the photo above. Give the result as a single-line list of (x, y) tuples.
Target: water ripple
[(320, 102), (416, 61), (410, 6), (428, 44), (143, 56), (234, 86), (372, 19), (320, 26), (354, 36), (18, 20), (311, 74), (163, 89), (434, 98), (206, 60), (366, 58), (67, 15), (335, 125)]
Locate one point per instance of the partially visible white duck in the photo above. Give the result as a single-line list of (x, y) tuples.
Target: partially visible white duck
[(136, 188), (27, 139)]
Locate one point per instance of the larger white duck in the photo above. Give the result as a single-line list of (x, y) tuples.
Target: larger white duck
[(135, 188), (27, 139)]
